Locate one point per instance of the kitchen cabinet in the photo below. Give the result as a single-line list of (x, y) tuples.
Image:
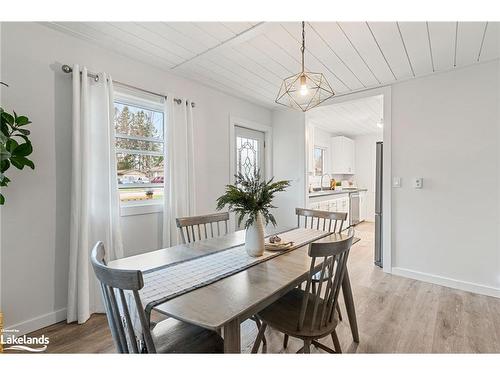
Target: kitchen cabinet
[(342, 155), (333, 206), (332, 203)]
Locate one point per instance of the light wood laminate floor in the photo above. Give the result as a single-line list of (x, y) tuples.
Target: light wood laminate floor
[(395, 315)]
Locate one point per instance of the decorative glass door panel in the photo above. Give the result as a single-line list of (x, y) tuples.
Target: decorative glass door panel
[(249, 151)]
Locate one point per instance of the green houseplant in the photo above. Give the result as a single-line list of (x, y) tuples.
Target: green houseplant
[(250, 198), (15, 146)]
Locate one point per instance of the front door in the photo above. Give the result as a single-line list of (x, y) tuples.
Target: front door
[(250, 153)]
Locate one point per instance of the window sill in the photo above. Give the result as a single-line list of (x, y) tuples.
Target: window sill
[(141, 209)]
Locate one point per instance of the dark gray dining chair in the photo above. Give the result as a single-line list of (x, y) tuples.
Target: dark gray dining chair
[(203, 227), (167, 336), (310, 314)]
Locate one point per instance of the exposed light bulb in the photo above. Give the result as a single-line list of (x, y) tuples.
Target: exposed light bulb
[(303, 86)]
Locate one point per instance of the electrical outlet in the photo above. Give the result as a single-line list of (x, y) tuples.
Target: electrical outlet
[(418, 182)]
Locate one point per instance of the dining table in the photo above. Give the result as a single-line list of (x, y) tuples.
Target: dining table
[(224, 303)]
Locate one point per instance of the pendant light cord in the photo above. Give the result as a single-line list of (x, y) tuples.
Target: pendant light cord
[(303, 43), (304, 91)]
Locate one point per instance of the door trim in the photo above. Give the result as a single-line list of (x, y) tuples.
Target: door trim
[(268, 150), (385, 91), (260, 137)]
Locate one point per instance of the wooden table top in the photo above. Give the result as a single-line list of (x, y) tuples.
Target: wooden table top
[(157, 258), (240, 295)]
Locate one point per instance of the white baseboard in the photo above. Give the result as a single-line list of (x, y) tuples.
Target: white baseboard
[(41, 321), (445, 281)]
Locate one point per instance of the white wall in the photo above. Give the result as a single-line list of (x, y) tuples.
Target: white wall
[(289, 163), (365, 159), (445, 128), (35, 222)]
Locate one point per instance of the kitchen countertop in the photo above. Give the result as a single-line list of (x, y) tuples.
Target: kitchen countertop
[(321, 193)]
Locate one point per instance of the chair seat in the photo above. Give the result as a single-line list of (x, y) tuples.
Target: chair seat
[(283, 315), (173, 336)]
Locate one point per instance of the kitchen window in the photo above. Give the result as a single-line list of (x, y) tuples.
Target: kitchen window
[(319, 161), (140, 143)]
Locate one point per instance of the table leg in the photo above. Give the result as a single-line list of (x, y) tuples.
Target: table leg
[(232, 337), (349, 304)]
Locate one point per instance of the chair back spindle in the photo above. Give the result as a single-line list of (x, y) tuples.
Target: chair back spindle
[(332, 222), (195, 228)]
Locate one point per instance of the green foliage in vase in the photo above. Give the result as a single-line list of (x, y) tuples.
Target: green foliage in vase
[(15, 146), (250, 196)]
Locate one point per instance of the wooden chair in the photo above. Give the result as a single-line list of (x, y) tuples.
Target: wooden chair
[(309, 315), (187, 226), (167, 336), (321, 220), (204, 226)]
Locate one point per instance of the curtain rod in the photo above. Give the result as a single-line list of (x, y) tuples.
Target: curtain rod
[(68, 69)]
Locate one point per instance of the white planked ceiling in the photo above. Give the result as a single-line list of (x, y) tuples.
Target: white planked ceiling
[(350, 118), (249, 59)]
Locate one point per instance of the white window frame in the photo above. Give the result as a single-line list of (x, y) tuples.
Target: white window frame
[(138, 101), (323, 151)]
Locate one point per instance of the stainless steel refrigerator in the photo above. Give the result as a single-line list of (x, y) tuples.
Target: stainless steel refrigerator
[(378, 205)]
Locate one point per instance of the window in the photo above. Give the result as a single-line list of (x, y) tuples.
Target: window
[(319, 161), (139, 128)]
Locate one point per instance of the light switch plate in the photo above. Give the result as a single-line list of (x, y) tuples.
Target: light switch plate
[(418, 182), (396, 182)]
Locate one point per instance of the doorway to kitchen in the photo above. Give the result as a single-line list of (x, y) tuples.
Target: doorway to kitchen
[(346, 168)]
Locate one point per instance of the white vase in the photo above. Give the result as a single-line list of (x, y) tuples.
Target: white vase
[(254, 238)]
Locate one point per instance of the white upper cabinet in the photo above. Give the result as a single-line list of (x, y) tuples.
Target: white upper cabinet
[(342, 153)]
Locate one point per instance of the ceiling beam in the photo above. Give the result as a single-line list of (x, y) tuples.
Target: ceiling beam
[(245, 34)]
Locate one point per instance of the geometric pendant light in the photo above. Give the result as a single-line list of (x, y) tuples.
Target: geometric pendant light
[(304, 90)]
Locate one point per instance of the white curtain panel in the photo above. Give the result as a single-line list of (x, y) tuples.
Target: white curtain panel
[(94, 193), (179, 168)]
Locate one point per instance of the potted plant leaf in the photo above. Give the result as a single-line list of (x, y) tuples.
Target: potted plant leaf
[(15, 146), (250, 198)]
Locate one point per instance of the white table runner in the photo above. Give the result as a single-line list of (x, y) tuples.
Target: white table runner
[(163, 284)]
